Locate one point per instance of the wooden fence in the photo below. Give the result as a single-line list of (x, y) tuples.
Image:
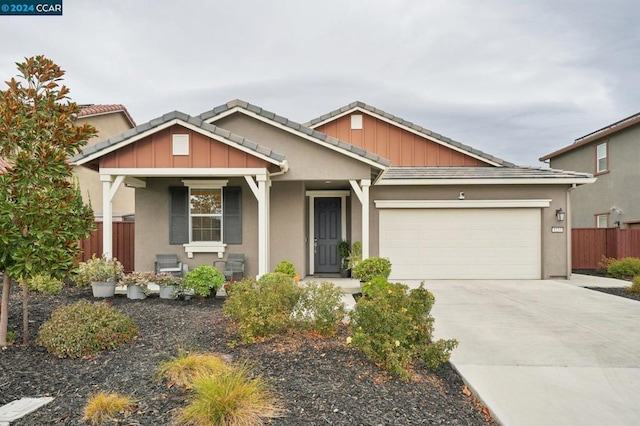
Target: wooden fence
[(123, 243), (588, 245)]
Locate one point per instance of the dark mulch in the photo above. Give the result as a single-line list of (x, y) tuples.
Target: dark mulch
[(617, 291), (320, 380)]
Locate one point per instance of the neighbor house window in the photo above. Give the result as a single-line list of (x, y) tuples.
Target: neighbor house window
[(602, 221), (601, 158), (205, 214)]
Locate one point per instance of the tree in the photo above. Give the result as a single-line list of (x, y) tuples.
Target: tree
[(42, 216)]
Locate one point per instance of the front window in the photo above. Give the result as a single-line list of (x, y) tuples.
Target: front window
[(601, 158), (205, 214), (602, 221)]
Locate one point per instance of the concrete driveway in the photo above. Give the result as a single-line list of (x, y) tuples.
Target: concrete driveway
[(544, 352)]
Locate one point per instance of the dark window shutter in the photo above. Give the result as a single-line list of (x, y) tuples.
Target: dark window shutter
[(232, 221), (179, 215)]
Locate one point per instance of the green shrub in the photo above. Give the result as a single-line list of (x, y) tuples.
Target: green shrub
[(262, 308), (394, 328), (376, 285), (625, 268), (103, 407), (45, 284), (372, 267), (287, 268), (320, 308), (355, 256), (84, 329), (233, 397), (203, 280), (635, 286), (186, 367)]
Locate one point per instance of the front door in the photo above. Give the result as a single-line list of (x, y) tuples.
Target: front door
[(327, 228)]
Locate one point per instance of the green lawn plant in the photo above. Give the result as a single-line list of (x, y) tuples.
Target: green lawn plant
[(83, 329), (394, 328), (625, 268), (203, 280), (104, 407), (320, 308), (635, 286), (45, 284), (186, 367), (371, 268), (42, 215), (287, 268)]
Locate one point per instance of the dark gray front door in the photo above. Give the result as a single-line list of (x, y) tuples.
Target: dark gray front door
[(327, 230)]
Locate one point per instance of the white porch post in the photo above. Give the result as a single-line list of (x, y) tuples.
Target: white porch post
[(362, 192), (261, 192), (107, 216)]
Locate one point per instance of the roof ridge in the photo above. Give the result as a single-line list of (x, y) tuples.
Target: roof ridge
[(416, 127), (89, 110)]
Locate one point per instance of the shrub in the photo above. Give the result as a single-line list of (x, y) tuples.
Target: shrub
[(188, 366), (230, 398), (286, 267), (103, 407), (376, 285), (394, 328), (604, 263), (262, 308), (625, 268), (320, 307), (355, 256), (203, 280), (84, 329), (372, 267), (98, 269), (635, 285), (45, 284), (344, 250)]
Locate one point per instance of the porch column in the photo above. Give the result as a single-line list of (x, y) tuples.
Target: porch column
[(261, 192), (107, 216), (362, 192)]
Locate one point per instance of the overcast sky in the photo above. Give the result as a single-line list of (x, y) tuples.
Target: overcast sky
[(517, 79)]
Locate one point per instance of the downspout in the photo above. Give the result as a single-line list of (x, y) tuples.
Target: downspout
[(284, 168), (569, 252)]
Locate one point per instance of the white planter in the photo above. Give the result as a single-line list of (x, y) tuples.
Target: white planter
[(168, 292), (103, 288), (135, 292)]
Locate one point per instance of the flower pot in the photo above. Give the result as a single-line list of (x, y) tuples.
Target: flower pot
[(168, 292), (135, 292), (345, 273), (103, 288)]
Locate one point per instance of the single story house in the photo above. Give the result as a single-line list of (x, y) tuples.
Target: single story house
[(240, 179)]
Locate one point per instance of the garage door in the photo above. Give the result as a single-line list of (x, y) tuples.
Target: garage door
[(491, 243)]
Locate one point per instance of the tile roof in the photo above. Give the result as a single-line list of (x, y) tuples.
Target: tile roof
[(89, 110), (230, 137), (424, 131), (314, 134), (518, 172), (598, 134)]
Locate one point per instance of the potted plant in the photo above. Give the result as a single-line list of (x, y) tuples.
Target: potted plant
[(344, 250), (169, 285), (137, 284), (101, 273), (203, 280), (287, 268), (355, 256)]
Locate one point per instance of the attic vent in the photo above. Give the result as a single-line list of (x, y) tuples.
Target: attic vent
[(180, 144), (356, 122)]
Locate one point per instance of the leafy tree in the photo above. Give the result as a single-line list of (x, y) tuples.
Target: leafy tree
[(42, 216)]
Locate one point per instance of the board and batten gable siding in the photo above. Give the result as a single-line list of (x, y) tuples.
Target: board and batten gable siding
[(155, 151), (403, 148)]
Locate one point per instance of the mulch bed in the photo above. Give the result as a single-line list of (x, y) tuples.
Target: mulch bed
[(321, 381), (617, 291)]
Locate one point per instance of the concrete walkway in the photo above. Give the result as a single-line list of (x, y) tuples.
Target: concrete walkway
[(544, 352)]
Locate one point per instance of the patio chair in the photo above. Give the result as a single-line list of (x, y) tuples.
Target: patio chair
[(232, 268), (169, 263)]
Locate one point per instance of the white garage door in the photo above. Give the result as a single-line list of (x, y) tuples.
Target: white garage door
[(492, 243)]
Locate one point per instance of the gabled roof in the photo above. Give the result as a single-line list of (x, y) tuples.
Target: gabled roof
[(484, 175), (296, 128), (167, 120), (421, 131), (598, 134), (90, 110)]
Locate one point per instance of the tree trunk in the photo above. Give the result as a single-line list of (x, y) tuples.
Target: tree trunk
[(4, 309), (25, 313)]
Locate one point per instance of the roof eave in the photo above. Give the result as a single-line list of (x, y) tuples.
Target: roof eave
[(487, 181)]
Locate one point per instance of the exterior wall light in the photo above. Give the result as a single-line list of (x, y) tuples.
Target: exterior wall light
[(560, 214)]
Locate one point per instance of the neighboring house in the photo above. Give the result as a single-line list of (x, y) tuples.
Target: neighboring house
[(239, 179), (109, 120), (611, 154)]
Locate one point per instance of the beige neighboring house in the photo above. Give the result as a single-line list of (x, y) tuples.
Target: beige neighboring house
[(240, 179), (611, 154), (109, 120)]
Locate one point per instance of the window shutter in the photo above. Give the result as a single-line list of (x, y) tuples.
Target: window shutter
[(179, 215), (232, 221)]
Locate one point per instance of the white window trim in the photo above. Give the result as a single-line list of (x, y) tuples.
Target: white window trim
[(180, 144), (605, 157), (205, 246), (598, 216)]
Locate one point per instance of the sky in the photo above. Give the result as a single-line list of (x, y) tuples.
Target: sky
[(514, 78)]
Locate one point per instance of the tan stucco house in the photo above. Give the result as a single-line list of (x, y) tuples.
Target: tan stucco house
[(611, 154), (240, 179), (109, 120)]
